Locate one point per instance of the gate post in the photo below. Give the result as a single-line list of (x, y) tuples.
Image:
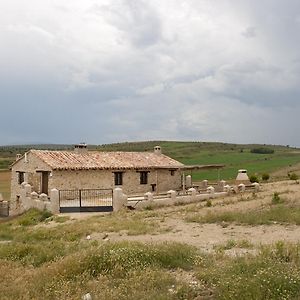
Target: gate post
[(79, 198), (54, 199), (119, 199)]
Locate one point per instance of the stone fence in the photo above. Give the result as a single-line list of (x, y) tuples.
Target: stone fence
[(174, 197), (29, 199), (4, 207)]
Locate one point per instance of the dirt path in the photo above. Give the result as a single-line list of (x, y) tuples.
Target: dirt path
[(207, 236)]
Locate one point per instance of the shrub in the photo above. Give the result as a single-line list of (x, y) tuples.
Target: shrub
[(293, 176), (265, 176), (276, 198), (262, 150), (33, 217), (208, 203), (253, 178)]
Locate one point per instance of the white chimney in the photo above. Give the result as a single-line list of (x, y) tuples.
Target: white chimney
[(157, 150), (80, 148)]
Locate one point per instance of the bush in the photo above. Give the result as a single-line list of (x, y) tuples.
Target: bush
[(33, 217), (265, 177), (208, 203), (293, 176), (253, 178), (262, 150), (276, 198)]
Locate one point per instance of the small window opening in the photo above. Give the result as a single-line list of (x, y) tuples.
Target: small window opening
[(21, 177), (143, 177), (118, 178)]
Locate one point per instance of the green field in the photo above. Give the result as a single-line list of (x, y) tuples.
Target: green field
[(233, 156)]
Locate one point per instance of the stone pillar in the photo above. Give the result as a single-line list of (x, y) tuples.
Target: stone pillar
[(192, 192), (256, 186), (210, 190), (119, 199), (43, 197), (28, 189), (204, 184), (34, 195), (222, 184), (227, 188), (148, 196), (188, 181), (242, 187), (172, 194), (54, 199)]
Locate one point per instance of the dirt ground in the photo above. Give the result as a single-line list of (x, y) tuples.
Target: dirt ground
[(207, 236)]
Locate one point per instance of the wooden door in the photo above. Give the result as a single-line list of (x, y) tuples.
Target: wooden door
[(44, 183)]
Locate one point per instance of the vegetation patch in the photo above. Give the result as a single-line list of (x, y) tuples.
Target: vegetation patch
[(262, 150), (272, 274), (234, 244), (33, 217), (276, 214)]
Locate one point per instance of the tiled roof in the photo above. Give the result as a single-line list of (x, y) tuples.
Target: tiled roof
[(62, 160)]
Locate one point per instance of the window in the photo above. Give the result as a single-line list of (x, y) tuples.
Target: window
[(118, 178), (143, 177), (21, 177), (172, 172)]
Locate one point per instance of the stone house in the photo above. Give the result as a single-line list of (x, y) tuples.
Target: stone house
[(134, 172)]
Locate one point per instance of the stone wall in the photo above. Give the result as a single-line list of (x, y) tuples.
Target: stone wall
[(29, 165), (104, 179), (30, 199), (172, 197)]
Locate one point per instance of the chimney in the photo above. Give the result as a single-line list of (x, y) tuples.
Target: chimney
[(157, 150), (80, 148)]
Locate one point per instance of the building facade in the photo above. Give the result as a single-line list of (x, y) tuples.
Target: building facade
[(134, 172)]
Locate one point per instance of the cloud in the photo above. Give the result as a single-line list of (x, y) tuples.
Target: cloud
[(249, 32), (107, 71)]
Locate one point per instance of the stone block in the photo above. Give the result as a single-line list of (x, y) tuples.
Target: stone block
[(119, 199), (242, 188), (148, 196), (210, 190), (43, 197)]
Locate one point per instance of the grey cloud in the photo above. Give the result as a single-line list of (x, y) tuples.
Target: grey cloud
[(137, 20), (134, 70), (249, 32)]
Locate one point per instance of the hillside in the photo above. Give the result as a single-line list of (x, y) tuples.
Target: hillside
[(234, 156)]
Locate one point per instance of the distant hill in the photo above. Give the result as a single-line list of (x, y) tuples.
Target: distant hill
[(234, 156)]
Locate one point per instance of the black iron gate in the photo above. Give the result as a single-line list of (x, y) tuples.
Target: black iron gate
[(86, 200)]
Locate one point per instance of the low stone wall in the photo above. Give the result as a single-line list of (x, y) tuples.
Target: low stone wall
[(173, 197), (30, 199)]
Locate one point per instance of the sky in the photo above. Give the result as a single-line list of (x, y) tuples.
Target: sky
[(133, 70)]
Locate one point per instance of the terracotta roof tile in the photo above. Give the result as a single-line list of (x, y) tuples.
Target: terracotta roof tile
[(61, 160)]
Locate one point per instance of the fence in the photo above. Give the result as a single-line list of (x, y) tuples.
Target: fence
[(85, 200)]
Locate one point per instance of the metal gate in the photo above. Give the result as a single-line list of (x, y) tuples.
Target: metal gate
[(86, 200)]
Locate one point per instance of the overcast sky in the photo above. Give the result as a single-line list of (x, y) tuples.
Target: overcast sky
[(126, 70)]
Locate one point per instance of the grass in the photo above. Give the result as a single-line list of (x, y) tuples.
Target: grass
[(229, 244), (280, 213), (272, 274), (50, 260)]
